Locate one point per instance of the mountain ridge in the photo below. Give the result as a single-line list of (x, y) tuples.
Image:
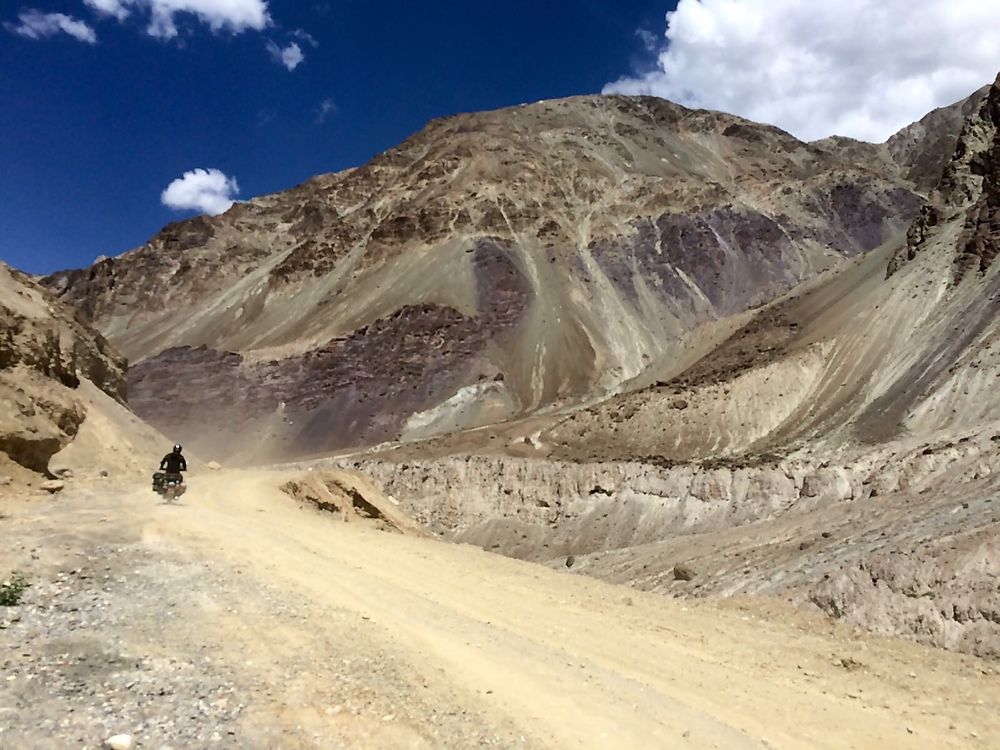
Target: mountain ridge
[(574, 243)]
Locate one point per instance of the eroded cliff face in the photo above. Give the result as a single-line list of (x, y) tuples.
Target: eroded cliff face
[(979, 242), (582, 508), (576, 243), (901, 539), (967, 193), (44, 352), (924, 149)]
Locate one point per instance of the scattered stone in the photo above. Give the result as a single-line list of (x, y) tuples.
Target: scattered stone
[(683, 572), (213, 465), (680, 404), (851, 665), (570, 560), (120, 742), (64, 473), (52, 486), (4, 481), (104, 472)]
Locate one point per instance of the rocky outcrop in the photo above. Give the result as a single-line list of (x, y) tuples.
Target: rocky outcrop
[(353, 498), (968, 192), (942, 592), (541, 509), (38, 333), (924, 149), (44, 352), (979, 242)]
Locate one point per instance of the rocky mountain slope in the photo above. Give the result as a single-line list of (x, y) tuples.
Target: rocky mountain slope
[(62, 395), (902, 341), (492, 266), (841, 449), (45, 351)]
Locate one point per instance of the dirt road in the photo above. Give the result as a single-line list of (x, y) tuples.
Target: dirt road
[(269, 624)]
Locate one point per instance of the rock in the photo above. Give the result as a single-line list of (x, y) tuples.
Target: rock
[(120, 742), (52, 486), (45, 350), (826, 486), (848, 663), (680, 404), (104, 472), (4, 481), (64, 473), (683, 572), (570, 561), (213, 465), (884, 481)]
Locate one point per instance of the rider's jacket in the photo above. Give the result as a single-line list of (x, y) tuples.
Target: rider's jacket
[(173, 463)]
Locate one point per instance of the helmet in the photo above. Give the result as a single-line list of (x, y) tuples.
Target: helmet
[(177, 449)]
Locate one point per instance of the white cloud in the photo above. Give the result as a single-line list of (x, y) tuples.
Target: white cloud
[(306, 37), (326, 108), (206, 190), (291, 56), (234, 16), (650, 41), (862, 68), (37, 25), (115, 8)]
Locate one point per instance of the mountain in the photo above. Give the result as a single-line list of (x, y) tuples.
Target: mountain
[(836, 448), (493, 266), (899, 342)]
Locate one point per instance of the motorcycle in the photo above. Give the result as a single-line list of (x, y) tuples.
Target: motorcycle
[(168, 486)]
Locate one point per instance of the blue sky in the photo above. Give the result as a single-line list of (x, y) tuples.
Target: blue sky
[(106, 103), (91, 134)]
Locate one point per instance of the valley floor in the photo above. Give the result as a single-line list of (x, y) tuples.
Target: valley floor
[(238, 619)]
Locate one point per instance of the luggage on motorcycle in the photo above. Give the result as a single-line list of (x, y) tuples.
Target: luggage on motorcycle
[(164, 482)]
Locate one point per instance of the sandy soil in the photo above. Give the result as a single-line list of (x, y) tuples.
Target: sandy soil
[(262, 622)]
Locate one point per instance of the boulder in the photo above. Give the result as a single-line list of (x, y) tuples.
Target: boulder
[(683, 572), (53, 486)]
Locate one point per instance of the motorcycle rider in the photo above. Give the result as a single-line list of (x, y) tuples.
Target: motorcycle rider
[(174, 463)]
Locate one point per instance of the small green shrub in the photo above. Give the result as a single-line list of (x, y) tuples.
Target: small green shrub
[(12, 589)]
